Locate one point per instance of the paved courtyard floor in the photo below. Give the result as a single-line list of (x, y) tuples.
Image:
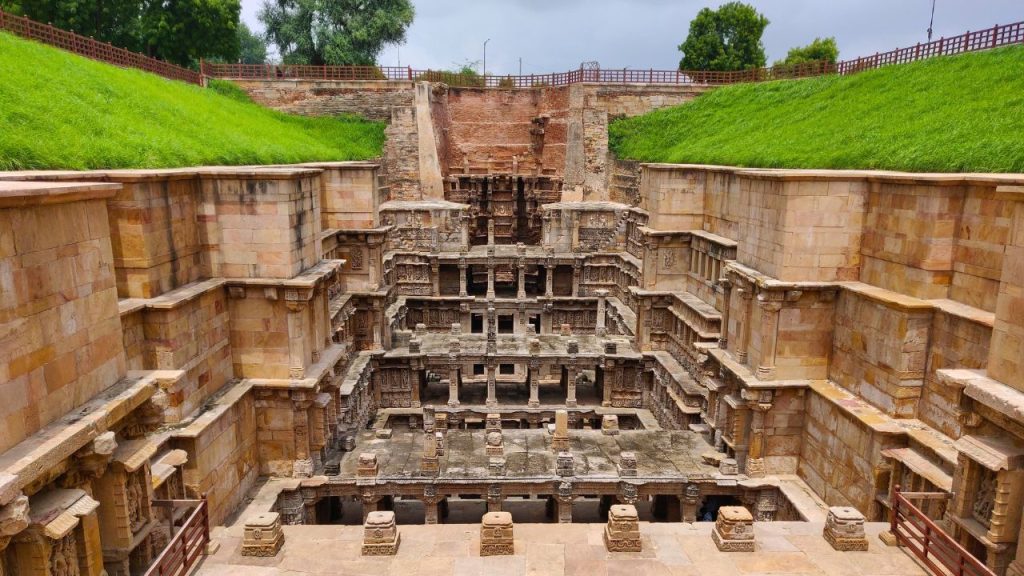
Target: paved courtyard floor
[(783, 548)]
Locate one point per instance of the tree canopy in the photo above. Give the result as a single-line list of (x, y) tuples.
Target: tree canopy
[(252, 48), (820, 49), (179, 31), (340, 32), (728, 38)]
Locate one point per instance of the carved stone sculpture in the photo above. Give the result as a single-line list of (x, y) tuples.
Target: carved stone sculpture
[(844, 529), (263, 535), (380, 535), (734, 530), (496, 534), (622, 533)]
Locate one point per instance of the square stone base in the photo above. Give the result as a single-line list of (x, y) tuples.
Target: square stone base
[(497, 548), (731, 545), (265, 548), (845, 544), (382, 549), (620, 544)]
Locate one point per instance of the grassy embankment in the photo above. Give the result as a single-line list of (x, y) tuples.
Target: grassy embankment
[(954, 114), (61, 111)]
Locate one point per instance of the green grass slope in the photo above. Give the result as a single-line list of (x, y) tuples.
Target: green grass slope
[(61, 111), (954, 114)]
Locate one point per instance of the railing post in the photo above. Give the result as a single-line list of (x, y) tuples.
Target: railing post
[(894, 502), (995, 33)]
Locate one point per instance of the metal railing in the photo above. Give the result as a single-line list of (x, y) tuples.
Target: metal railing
[(188, 544), (926, 541), (91, 48), (967, 42)]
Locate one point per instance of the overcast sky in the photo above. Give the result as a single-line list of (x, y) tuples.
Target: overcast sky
[(556, 35)]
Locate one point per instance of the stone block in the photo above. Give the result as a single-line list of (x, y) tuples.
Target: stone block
[(622, 533), (380, 535), (627, 464), (728, 467), (734, 530), (565, 464), (844, 529), (263, 535), (496, 535), (609, 424), (496, 466), (366, 469), (382, 433)]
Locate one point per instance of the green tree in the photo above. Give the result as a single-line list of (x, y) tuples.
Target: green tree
[(252, 48), (820, 49), (114, 21), (183, 31), (335, 31), (725, 39)]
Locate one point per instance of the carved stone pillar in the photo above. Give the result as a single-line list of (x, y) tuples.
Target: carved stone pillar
[(769, 337), (435, 277), (744, 329), (494, 498), (430, 502), (303, 467), (723, 337), (690, 502), (490, 232), (570, 384), (549, 280), (492, 396), (602, 297), (453, 382), (296, 338), (755, 455), (371, 503), (463, 267), (534, 401), (373, 248), (577, 266), (563, 500), (521, 292), (490, 278)]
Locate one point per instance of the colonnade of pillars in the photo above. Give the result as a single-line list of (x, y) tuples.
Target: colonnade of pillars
[(549, 280), (572, 373), (436, 507)]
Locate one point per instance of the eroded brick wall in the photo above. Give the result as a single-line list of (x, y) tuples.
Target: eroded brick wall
[(370, 99)]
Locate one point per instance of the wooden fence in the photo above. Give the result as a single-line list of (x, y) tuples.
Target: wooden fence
[(91, 48), (930, 544), (967, 42), (188, 544)]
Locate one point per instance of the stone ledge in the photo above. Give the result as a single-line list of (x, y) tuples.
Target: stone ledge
[(28, 194)]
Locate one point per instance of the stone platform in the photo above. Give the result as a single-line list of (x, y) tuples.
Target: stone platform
[(528, 454), (793, 548)]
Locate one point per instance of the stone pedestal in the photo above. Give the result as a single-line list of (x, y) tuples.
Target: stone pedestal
[(728, 467), (429, 464), (627, 464), (565, 464), (496, 466), (844, 529), (380, 535), (263, 535), (622, 533), (495, 443), (366, 469), (734, 530), (609, 424), (560, 438), (496, 534)]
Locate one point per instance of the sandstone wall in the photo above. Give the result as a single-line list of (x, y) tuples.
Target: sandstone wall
[(349, 193), (879, 348), (155, 234), (983, 231), (259, 335), (959, 339), (60, 334), (1006, 355), (370, 99), (221, 446), (784, 430), (590, 107), (841, 449), (674, 196), (488, 127)]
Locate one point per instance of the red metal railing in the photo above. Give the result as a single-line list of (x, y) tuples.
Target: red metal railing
[(90, 48), (187, 545), (929, 543), (967, 42)]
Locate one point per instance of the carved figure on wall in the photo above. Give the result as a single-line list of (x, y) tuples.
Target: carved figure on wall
[(134, 493), (64, 557)]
